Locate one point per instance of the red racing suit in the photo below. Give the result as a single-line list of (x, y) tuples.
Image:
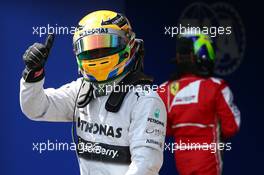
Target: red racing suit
[(201, 113)]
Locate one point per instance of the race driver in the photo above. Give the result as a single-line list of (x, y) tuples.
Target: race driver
[(119, 132), (201, 112)]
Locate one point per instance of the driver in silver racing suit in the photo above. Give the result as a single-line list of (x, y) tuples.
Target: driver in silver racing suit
[(121, 133)]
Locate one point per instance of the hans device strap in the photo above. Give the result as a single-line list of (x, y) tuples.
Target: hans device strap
[(116, 98), (85, 94)]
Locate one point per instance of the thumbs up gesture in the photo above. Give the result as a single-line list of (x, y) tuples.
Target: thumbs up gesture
[(35, 58)]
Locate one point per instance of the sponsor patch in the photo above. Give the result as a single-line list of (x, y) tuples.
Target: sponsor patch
[(95, 128)]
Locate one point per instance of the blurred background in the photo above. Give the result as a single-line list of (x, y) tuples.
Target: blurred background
[(239, 62)]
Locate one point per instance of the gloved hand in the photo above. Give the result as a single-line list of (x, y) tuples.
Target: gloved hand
[(35, 58)]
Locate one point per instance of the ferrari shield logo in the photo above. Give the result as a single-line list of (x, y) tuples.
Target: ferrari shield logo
[(174, 88)]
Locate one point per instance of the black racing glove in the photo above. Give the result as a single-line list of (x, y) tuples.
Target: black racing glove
[(35, 58)]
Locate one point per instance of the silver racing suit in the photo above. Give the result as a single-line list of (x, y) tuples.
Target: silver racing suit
[(129, 142)]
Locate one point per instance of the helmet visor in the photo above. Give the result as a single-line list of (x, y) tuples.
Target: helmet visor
[(97, 46)]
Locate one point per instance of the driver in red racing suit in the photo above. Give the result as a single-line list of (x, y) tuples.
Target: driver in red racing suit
[(201, 112)]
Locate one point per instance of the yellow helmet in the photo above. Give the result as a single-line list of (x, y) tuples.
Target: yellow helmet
[(104, 46)]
